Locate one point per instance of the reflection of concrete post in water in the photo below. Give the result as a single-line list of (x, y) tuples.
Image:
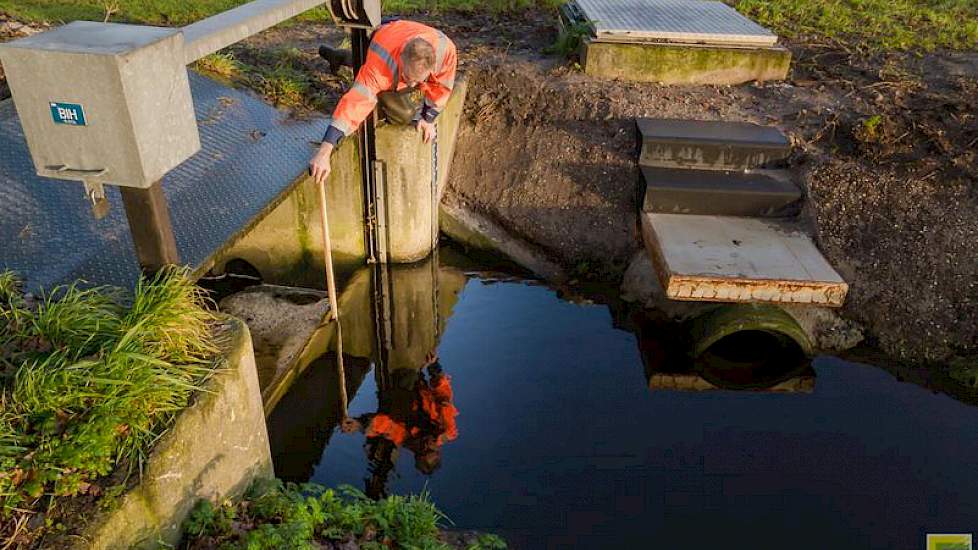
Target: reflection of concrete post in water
[(421, 296)]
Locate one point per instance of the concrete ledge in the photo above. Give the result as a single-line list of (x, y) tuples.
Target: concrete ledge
[(215, 449), (477, 231), (684, 63)]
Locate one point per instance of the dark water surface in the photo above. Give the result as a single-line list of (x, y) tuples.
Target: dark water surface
[(561, 443)]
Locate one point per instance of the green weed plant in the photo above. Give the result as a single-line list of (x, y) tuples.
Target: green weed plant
[(277, 515)]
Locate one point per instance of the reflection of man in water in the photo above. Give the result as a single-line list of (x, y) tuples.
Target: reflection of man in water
[(414, 412)]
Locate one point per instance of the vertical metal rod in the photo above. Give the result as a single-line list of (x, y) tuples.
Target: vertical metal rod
[(360, 40), (334, 303), (149, 223)]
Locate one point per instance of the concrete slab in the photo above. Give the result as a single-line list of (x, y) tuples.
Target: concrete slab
[(720, 193), (210, 35), (710, 144), (727, 259), (666, 63), (684, 21)]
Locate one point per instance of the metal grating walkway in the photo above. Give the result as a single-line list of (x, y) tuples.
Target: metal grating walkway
[(251, 153), (685, 21)]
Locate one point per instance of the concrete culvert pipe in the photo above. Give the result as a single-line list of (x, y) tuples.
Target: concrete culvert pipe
[(748, 346)]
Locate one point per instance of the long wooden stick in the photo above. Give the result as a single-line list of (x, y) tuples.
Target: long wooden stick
[(334, 303)]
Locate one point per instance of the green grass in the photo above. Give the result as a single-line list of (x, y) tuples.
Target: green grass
[(274, 515), (872, 24), (182, 12), (282, 75), (91, 379)]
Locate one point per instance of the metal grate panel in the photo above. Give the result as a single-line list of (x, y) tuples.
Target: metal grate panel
[(686, 21), (250, 154)]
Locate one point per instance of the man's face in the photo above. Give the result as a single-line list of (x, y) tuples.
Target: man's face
[(414, 77)]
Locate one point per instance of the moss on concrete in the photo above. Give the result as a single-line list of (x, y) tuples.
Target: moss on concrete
[(725, 320), (685, 64), (286, 244)]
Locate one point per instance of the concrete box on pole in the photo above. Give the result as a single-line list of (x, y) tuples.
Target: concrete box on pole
[(103, 102)]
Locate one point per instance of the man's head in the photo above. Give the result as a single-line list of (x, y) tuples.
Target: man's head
[(418, 60)]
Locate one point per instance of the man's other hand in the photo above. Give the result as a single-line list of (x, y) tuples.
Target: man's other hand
[(427, 130), (319, 164)]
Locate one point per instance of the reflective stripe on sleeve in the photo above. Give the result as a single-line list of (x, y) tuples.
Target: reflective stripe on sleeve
[(440, 51), (367, 92), (340, 125)]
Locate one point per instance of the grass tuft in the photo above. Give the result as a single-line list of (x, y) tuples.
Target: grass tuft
[(220, 64)]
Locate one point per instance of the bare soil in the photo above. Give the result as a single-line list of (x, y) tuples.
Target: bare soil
[(885, 147)]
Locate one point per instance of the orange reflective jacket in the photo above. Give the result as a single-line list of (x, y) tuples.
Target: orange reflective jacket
[(382, 72)]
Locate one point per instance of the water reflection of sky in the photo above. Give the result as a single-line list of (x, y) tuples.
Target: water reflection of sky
[(562, 444)]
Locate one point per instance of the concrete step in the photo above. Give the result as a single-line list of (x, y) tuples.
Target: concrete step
[(720, 193), (729, 259), (710, 145)]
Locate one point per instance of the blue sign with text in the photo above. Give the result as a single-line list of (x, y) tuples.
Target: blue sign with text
[(68, 113)]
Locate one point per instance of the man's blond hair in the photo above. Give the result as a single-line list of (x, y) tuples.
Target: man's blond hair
[(418, 56)]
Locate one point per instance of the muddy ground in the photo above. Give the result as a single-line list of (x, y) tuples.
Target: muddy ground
[(885, 147)]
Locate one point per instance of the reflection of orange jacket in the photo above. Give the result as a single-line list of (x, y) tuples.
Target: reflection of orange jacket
[(381, 72), (435, 406), (436, 402)]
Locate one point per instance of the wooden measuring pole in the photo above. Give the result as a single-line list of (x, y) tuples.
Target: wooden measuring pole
[(334, 304), (150, 226)]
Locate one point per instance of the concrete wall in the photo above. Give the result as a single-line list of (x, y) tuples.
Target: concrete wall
[(410, 197), (286, 245), (215, 449), (685, 64)]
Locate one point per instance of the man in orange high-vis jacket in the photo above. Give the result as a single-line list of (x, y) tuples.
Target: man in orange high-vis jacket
[(403, 56)]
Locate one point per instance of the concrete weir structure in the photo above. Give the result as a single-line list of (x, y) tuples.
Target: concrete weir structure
[(673, 42), (285, 245)]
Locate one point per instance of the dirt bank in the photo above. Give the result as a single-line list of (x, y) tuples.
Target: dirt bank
[(885, 147)]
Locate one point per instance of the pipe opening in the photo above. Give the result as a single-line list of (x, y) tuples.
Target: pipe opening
[(751, 359)]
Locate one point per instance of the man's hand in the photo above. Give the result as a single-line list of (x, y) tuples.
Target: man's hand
[(350, 425), (319, 164), (427, 130)]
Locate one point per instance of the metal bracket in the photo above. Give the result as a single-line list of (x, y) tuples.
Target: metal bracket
[(96, 194)]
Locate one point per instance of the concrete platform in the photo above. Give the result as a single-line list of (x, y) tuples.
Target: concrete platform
[(673, 42), (720, 193), (710, 145), (685, 63), (684, 21), (727, 259)]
